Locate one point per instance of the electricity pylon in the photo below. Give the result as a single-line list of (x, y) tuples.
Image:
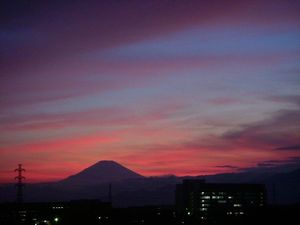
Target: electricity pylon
[(20, 183)]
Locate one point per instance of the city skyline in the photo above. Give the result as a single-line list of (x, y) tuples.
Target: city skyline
[(163, 87)]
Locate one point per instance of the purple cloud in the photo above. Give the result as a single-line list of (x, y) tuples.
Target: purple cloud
[(294, 147)]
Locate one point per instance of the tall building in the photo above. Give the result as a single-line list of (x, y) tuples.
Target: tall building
[(199, 199)]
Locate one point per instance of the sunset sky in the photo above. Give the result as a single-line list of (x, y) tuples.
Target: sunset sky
[(161, 86)]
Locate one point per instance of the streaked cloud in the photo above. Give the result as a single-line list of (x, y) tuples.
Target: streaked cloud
[(193, 87)]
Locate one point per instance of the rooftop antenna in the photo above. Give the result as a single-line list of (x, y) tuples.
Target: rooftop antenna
[(20, 183)]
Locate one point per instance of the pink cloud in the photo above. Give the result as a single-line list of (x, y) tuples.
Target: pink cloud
[(67, 145), (102, 116)]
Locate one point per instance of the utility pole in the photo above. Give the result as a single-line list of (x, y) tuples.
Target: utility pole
[(20, 183)]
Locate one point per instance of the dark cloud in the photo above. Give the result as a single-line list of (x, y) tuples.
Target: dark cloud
[(294, 147), (70, 27), (295, 99), (228, 167), (265, 164), (290, 160), (280, 166), (282, 129)]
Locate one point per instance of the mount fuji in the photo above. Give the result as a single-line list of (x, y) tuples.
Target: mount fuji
[(102, 172)]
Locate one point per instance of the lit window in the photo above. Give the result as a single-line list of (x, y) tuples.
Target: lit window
[(205, 197), (217, 197)]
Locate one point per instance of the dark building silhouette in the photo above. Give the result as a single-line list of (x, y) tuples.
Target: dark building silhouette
[(68, 213), (195, 198)]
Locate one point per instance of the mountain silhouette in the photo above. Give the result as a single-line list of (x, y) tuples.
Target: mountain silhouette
[(102, 172)]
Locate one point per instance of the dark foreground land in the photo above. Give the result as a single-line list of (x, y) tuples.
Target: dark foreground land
[(96, 213)]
